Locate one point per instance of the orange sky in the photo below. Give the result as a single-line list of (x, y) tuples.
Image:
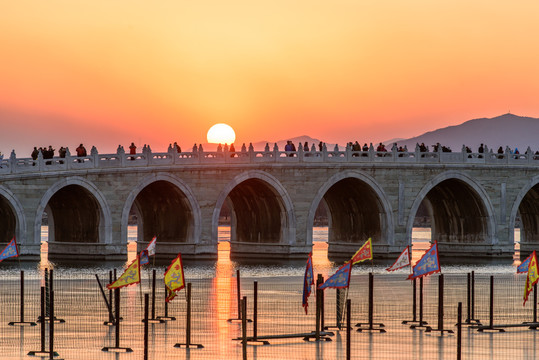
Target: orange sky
[(111, 72)]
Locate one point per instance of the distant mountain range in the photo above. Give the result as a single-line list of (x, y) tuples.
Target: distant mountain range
[(505, 130)]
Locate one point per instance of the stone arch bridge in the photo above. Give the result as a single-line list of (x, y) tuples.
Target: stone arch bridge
[(472, 199)]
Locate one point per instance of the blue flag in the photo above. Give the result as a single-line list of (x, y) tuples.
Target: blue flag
[(523, 267), (10, 250), (428, 264), (308, 281), (144, 259), (339, 280)]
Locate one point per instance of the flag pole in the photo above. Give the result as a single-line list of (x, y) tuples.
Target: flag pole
[(18, 253)]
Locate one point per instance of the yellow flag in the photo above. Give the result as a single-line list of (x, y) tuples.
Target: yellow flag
[(364, 253), (532, 278), (130, 276), (174, 279)]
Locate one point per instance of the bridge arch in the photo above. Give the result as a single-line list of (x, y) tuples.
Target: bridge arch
[(527, 203), (13, 219), (460, 209), (168, 209), (261, 210), (353, 219), (78, 211)]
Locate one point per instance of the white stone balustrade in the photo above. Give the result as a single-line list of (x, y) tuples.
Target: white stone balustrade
[(14, 165)]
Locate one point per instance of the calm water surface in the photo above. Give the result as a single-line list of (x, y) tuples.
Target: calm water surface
[(280, 288)]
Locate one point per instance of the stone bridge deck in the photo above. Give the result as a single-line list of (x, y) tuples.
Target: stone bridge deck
[(472, 199)]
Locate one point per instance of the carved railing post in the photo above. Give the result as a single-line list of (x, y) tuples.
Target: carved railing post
[(40, 162), (251, 152), (200, 153), (95, 156), (371, 152), (324, 152), (226, 153), (68, 159), (300, 153), (12, 162), (121, 155), (275, 152), (348, 152)]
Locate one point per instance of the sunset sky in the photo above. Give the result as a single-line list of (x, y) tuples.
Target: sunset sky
[(108, 72)]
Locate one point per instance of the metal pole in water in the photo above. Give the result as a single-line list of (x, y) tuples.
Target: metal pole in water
[(117, 305), (153, 294), (491, 312), (43, 319), (348, 327), (244, 326), (459, 331), (146, 326), (22, 296), (188, 325), (255, 309), (51, 325)]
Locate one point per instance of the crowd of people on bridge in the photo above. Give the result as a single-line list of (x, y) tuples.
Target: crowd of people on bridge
[(48, 152)]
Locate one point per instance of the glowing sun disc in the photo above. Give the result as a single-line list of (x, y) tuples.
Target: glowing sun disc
[(221, 134)]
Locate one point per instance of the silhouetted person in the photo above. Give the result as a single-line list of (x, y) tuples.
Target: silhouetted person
[(62, 153), (132, 150), (232, 150), (81, 152), (500, 153), (34, 155)]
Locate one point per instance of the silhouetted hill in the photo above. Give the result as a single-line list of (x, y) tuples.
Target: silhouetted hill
[(505, 130)]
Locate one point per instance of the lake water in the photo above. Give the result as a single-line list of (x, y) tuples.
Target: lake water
[(83, 335)]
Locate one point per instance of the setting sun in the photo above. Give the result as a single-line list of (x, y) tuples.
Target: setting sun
[(221, 134)]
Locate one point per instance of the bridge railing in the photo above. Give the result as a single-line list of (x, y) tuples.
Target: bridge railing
[(245, 156)]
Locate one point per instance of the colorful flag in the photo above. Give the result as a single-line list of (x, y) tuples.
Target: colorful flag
[(174, 278), (532, 278), (428, 264), (151, 246), (339, 280), (144, 258), (364, 253), (130, 276), (402, 261), (10, 250), (308, 281), (523, 267)]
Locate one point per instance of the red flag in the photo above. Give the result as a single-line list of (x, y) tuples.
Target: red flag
[(364, 253)]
